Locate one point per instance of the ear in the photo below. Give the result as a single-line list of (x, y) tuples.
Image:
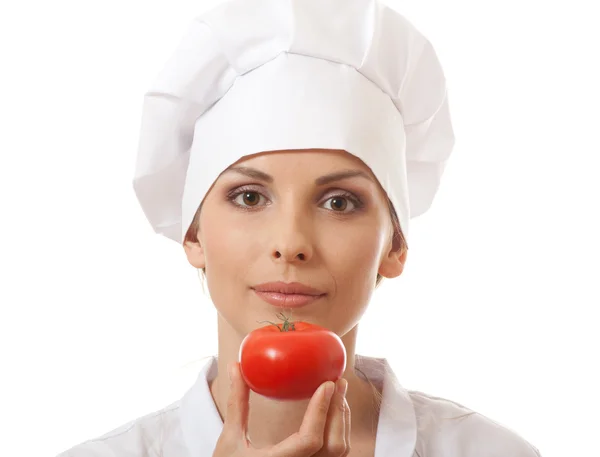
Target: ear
[(194, 253), (392, 265)]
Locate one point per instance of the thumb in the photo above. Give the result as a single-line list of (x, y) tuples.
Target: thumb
[(236, 419)]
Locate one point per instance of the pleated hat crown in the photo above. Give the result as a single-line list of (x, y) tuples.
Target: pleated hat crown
[(264, 75)]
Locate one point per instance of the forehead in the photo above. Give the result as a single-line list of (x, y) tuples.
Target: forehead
[(317, 161)]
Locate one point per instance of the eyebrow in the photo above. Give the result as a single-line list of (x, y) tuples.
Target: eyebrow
[(321, 181)]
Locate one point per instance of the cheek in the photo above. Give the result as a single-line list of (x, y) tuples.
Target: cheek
[(353, 261), (230, 254), (354, 248), (223, 237)]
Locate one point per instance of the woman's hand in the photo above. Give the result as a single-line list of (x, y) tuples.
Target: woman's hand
[(325, 429)]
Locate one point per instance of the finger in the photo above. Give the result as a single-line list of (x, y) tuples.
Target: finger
[(309, 439), (335, 431), (347, 424), (236, 419)]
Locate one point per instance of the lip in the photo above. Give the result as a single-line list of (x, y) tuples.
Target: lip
[(287, 288), (287, 295)]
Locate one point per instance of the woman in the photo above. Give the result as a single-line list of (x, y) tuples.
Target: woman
[(286, 145)]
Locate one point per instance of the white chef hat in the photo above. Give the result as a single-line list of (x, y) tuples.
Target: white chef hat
[(262, 75)]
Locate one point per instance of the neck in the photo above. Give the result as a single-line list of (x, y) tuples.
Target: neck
[(271, 421)]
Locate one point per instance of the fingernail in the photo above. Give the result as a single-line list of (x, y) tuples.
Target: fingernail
[(342, 387)]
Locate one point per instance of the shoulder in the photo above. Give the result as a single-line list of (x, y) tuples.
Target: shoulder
[(144, 436), (447, 428)]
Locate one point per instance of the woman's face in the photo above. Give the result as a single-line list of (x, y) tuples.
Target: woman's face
[(316, 217)]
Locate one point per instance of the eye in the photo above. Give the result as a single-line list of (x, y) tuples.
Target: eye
[(247, 198), (340, 203)]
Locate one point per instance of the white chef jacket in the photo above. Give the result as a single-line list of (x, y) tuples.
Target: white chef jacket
[(411, 424)]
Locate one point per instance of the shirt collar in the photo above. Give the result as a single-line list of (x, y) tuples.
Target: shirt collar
[(396, 431)]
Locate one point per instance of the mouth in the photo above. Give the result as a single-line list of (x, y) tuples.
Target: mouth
[(293, 295), (287, 300)]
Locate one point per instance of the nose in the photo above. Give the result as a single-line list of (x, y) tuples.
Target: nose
[(292, 240)]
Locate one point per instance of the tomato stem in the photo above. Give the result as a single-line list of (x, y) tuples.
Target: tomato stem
[(287, 326), (269, 322)]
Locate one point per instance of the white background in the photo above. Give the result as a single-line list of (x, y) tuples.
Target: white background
[(497, 308)]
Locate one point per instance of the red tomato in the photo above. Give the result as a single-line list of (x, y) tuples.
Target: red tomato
[(291, 364)]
